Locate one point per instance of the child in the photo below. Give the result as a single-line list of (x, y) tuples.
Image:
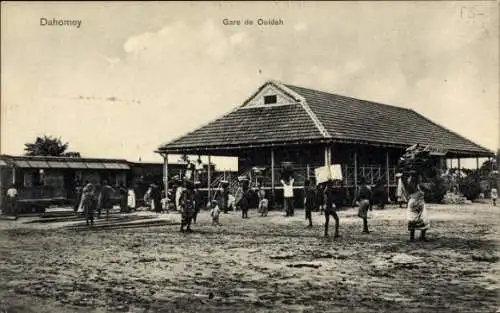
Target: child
[(263, 202), (494, 195), (215, 212), (231, 202)]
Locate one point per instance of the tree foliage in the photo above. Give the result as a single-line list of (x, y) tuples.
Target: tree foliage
[(48, 146)]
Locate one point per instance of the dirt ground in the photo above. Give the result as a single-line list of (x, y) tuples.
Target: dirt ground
[(141, 263)]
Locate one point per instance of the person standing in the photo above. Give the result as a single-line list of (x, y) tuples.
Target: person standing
[(416, 211), (106, 202), (12, 200), (198, 200), (231, 202), (494, 195), (400, 191), (288, 195), (78, 193), (379, 195), (224, 197), (123, 198), (263, 202), (89, 201), (214, 213), (309, 201), (131, 199), (156, 198), (364, 196), (187, 202), (245, 199), (329, 202), (178, 195)]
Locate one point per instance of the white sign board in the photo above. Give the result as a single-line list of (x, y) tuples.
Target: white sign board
[(325, 173)]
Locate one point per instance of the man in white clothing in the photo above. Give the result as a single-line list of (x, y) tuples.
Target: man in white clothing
[(288, 196)]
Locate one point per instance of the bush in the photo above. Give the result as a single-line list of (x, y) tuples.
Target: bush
[(470, 188), (436, 190)]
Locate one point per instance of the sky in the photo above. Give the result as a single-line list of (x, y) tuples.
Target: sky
[(136, 75)]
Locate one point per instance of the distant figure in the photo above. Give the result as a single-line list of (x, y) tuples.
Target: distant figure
[(198, 200), (147, 199), (309, 201), (131, 199), (329, 202), (231, 202), (363, 196), (123, 198), (78, 193), (288, 196), (164, 202), (379, 195), (187, 204), (401, 192), (224, 197), (494, 195), (11, 201), (214, 213), (106, 203), (244, 203), (263, 202), (178, 194), (89, 203), (84, 195), (156, 198)]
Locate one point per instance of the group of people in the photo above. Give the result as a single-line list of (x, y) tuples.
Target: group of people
[(92, 198)]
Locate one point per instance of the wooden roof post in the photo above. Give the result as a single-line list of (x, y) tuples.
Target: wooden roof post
[(387, 175), (477, 163), (356, 169), (328, 155), (458, 160), (209, 181), (165, 173), (272, 172)]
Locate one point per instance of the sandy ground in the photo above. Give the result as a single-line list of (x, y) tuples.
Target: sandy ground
[(141, 263)]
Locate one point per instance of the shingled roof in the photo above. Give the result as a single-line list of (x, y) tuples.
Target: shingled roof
[(317, 116)]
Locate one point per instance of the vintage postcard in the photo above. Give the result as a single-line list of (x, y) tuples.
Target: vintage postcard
[(249, 156)]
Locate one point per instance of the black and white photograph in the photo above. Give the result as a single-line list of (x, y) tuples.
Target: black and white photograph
[(241, 157)]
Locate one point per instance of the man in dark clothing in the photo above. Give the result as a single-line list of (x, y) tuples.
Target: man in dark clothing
[(224, 196), (198, 200), (156, 198), (11, 199), (329, 201), (89, 203), (364, 196), (188, 206), (123, 198), (379, 195), (106, 203), (245, 199), (309, 201)]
